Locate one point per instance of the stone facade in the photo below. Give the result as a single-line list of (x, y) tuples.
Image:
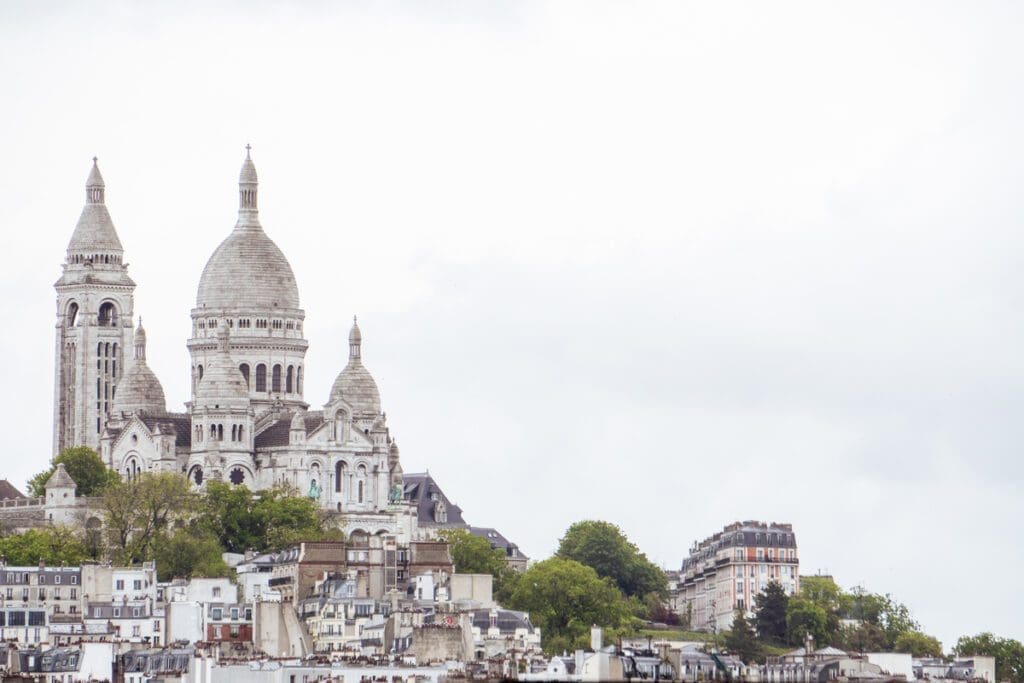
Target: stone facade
[(248, 421)]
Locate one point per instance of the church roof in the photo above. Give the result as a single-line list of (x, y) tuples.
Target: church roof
[(247, 271), (60, 478), (95, 230), (354, 384), (181, 423), (277, 433)]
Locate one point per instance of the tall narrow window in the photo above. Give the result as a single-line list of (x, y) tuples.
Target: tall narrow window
[(244, 369), (276, 379), (288, 383), (261, 377), (298, 381), (200, 369)]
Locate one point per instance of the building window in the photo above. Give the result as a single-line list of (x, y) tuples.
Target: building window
[(216, 591), (289, 379), (138, 585), (261, 377), (244, 369), (276, 379), (217, 614)]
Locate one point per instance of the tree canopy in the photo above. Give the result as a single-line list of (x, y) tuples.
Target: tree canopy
[(565, 598), (1009, 654), (603, 547), (54, 545), (84, 465)]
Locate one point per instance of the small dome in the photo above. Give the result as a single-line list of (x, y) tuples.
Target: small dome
[(355, 385), (222, 382), (140, 391)]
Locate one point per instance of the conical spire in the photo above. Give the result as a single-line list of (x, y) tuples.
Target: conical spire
[(140, 342), (355, 341), (94, 185), (95, 231)]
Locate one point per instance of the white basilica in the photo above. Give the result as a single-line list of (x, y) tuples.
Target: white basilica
[(248, 421)]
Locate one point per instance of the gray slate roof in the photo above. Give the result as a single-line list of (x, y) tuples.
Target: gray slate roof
[(419, 489), (277, 433)]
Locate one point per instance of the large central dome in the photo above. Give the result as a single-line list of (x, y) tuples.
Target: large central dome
[(247, 271)]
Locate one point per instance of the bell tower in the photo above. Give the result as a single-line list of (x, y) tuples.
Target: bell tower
[(95, 298)]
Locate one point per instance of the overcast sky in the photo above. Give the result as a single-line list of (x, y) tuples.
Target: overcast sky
[(666, 265)]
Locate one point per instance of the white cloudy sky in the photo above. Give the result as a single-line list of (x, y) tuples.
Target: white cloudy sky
[(669, 265)]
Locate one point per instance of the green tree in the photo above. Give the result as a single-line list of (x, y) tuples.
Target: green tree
[(473, 554), (741, 640), (603, 546), (189, 552), (83, 464), (803, 616), (274, 519), (918, 644), (1009, 654), (770, 617), (137, 513), (54, 545), (863, 637), (227, 512), (565, 598)]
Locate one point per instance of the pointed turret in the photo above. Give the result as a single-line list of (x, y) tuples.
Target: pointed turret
[(248, 184), (60, 479), (139, 390), (355, 384), (95, 234)]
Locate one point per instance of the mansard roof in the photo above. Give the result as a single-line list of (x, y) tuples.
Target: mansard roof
[(424, 492)]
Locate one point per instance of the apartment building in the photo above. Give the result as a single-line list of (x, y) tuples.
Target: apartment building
[(729, 569)]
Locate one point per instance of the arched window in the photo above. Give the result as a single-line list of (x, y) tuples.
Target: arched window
[(220, 432), (199, 369), (244, 369), (234, 432), (239, 432), (108, 315), (73, 314), (298, 381), (340, 472), (276, 379), (339, 425), (288, 383), (261, 377), (195, 475), (361, 484)]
